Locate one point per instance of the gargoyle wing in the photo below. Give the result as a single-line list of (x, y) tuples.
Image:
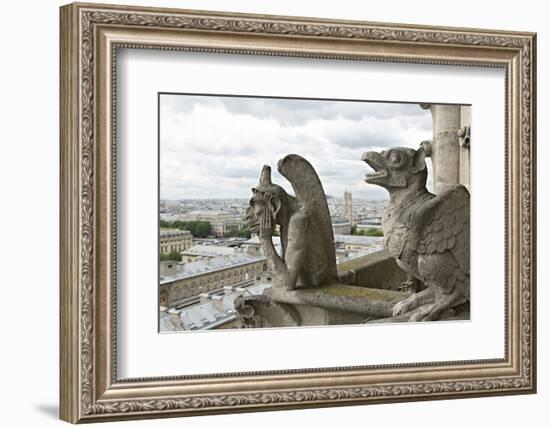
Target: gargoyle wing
[(311, 196), (443, 224)]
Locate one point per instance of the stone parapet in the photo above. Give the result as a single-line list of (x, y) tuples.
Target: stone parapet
[(372, 303)]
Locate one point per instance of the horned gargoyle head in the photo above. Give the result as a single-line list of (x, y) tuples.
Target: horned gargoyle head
[(265, 203), (397, 168)]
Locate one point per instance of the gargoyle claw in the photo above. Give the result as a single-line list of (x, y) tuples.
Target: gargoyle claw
[(399, 308)]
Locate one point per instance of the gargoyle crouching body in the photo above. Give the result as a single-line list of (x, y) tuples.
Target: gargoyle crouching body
[(307, 257), (428, 235)]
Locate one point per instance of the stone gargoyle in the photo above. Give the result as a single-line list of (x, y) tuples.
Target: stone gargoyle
[(307, 257), (429, 235)]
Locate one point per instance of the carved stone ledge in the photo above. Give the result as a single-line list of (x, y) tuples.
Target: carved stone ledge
[(369, 302)]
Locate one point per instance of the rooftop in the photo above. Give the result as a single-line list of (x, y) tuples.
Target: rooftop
[(217, 310), (255, 240), (339, 221), (209, 250), (358, 240), (196, 268)]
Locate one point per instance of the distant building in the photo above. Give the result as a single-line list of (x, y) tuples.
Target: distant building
[(341, 225), (366, 224), (216, 310), (182, 281), (174, 240), (198, 252), (348, 207), (253, 245), (350, 247), (222, 223), (170, 203), (358, 242)]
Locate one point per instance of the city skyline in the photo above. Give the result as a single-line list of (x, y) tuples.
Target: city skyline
[(224, 160)]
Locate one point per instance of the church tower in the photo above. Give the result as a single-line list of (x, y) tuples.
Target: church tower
[(348, 211)]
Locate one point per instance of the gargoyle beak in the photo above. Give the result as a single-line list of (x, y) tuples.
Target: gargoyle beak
[(376, 161)]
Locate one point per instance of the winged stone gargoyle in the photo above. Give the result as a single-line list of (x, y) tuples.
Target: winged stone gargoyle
[(429, 235), (307, 257)]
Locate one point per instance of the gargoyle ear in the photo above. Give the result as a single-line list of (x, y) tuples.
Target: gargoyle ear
[(419, 163)]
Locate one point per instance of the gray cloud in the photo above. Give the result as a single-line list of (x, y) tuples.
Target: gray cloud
[(215, 146), (294, 112)]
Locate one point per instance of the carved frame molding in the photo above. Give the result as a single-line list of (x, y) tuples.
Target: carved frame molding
[(90, 35)]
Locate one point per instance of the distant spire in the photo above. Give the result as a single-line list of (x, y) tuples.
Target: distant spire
[(348, 206)]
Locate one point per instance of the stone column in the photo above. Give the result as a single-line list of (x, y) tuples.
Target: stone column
[(464, 141), (445, 151)]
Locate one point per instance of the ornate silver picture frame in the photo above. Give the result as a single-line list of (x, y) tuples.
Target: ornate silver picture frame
[(92, 36)]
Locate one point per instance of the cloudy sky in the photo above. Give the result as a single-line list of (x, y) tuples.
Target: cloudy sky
[(214, 147)]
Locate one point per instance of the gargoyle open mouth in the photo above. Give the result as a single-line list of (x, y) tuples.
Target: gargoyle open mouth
[(376, 162)]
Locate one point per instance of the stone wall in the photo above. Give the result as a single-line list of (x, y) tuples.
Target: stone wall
[(174, 292), (175, 241), (378, 271)]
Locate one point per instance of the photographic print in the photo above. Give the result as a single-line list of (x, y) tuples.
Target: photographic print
[(253, 184), (292, 212)]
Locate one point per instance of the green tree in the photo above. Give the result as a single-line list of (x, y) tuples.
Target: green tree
[(178, 224), (197, 228), (200, 228), (373, 232), (172, 256), (243, 233)]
